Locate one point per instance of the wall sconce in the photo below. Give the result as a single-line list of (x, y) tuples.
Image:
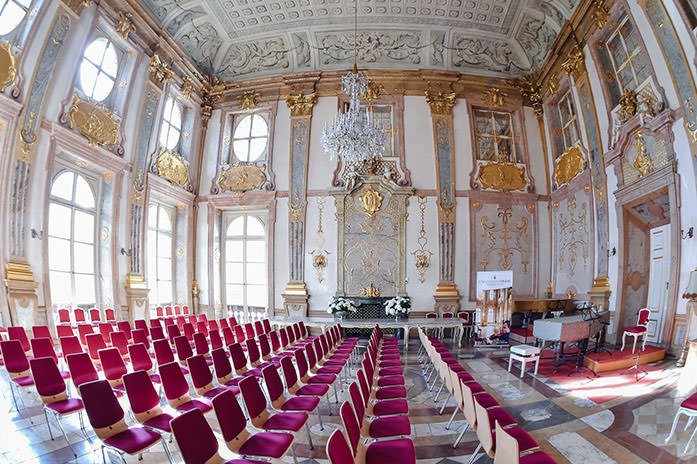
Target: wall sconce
[(126, 253), (39, 234), (689, 234), (611, 250)]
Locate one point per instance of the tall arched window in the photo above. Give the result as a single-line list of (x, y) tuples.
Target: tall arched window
[(12, 13), (72, 221), (245, 263), (98, 69), (171, 124), (160, 263)]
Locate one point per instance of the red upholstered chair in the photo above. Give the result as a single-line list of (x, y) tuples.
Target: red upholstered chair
[(159, 311), (113, 366), (125, 326), (193, 319), (203, 317), (638, 330), (267, 326), (508, 444), (213, 325), (156, 333), (17, 366), (95, 317), (301, 359), (338, 450), (79, 314), (196, 441), (168, 311), (258, 328), (145, 402), (228, 336), (164, 353), (177, 390), (216, 341), (141, 336), (376, 452), (202, 347), (95, 342), (202, 378), (42, 331), (43, 348), (202, 327), (119, 340), (223, 323), (141, 324), (189, 331), (53, 392), (177, 310), (232, 321), (281, 403), (63, 316), (82, 370), (70, 345), (110, 316), (107, 420), (181, 320), (233, 425), (239, 334), (19, 334), (223, 368), (169, 321), (688, 408), (183, 347), (105, 330), (249, 330), (141, 360), (185, 309), (64, 331), (381, 408), (487, 418), (83, 330), (381, 427), (295, 388)]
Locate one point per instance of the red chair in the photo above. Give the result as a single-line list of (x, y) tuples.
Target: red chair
[(164, 354), (177, 310), (42, 331), (379, 451), (145, 402), (239, 361), (82, 370), (338, 450), (107, 419), (17, 366), (202, 347), (43, 348), (239, 440), (65, 331), (233, 321), (185, 309), (63, 316), (279, 401), (223, 323), (168, 311), (223, 369), (113, 366), (202, 378), (381, 408), (70, 345), (159, 312), (508, 448), (120, 341), (258, 328), (83, 330), (95, 342), (141, 336), (125, 326), (177, 390), (249, 330), (213, 325), (169, 321), (487, 418), (216, 341), (156, 333), (95, 317), (141, 360), (193, 319), (19, 334), (53, 392), (189, 331), (261, 418), (110, 316), (381, 427), (295, 388), (156, 323), (638, 330), (267, 326), (307, 379), (141, 324), (202, 317), (79, 314), (239, 334), (181, 320), (183, 348), (202, 327)]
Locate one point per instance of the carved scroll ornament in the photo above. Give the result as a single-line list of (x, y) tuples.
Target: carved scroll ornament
[(8, 66), (505, 177), (242, 178), (568, 166), (173, 167), (94, 122)]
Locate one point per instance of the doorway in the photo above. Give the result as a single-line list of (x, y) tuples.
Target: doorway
[(659, 269)]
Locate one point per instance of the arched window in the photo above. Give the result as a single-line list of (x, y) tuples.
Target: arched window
[(245, 263), (171, 124), (160, 263), (98, 69), (71, 241), (250, 138), (12, 12)]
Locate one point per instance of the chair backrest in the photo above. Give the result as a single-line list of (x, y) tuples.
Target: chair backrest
[(253, 397), (249, 330), (357, 401), (201, 344), (311, 356), (15, 358), (297, 332), (19, 334), (169, 321), (239, 360), (105, 330), (303, 330), (183, 348), (363, 383), (173, 332), (70, 345), (125, 326), (274, 384), (141, 336), (643, 318), (140, 391), (221, 364), (464, 315), (232, 321), (199, 371), (156, 333), (431, 315), (195, 438), (156, 322), (228, 336), (141, 324), (253, 352), (289, 374), (507, 447), (173, 381), (81, 368), (64, 316), (42, 331), (258, 328), (47, 378), (94, 315), (213, 325), (230, 416), (95, 342), (140, 359), (79, 314), (446, 314), (484, 427), (181, 320), (163, 352), (264, 346), (168, 311), (239, 334), (43, 347), (267, 325), (203, 317), (301, 361), (119, 340), (192, 319), (216, 341), (284, 337), (202, 327), (291, 335), (469, 410), (351, 427), (185, 309), (83, 330), (109, 314), (177, 310), (159, 311), (102, 407), (64, 331), (223, 323), (113, 365), (338, 450), (275, 342)]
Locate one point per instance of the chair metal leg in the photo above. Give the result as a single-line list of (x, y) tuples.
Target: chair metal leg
[(439, 390), (457, 408), (292, 451), (444, 403), (103, 456), (462, 434), (48, 424), (169, 455), (474, 455), (319, 416), (60, 424), (14, 398), (309, 436), (336, 397), (689, 422), (82, 427), (329, 405)]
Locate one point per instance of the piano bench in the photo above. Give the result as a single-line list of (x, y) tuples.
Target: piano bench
[(524, 354)]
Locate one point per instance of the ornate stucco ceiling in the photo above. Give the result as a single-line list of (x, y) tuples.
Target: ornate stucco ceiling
[(246, 39)]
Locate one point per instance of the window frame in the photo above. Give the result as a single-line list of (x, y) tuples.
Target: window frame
[(237, 119), (630, 57), (513, 157), (165, 122), (73, 206), (119, 66), (169, 210), (24, 17), (568, 99)]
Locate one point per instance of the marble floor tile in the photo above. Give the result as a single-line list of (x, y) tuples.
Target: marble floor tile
[(578, 450)]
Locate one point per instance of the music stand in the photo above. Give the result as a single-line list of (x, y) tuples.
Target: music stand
[(636, 368)]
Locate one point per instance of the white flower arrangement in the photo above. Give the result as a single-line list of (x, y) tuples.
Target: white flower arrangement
[(341, 305), (397, 305)]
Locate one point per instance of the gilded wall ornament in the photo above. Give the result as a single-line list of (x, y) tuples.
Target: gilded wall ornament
[(422, 256), (187, 87), (248, 100), (8, 66), (296, 208), (124, 25), (441, 103), (242, 178), (628, 104), (160, 70), (601, 14), (373, 92), (568, 166), (370, 291), (371, 202), (531, 90), (301, 105), (173, 167), (495, 97), (573, 235), (505, 240), (505, 177), (574, 64), (94, 122), (319, 254), (642, 163)]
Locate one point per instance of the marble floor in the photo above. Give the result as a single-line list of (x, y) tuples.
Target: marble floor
[(569, 427)]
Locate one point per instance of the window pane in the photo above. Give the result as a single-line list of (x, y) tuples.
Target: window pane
[(256, 273), (103, 87), (152, 216), (84, 227), (165, 220), (256, 295), (95, 50), (172, 138), (233, 250), (88, 76), (164, 245), (10, 18), (255, 226), (164, 290), (233, 273), (61, 289), (256, 251), (84, 258), (84, 288), (164, 269), (176, 117), (58, 254), (168, 108), (241, 149), (482, 123), (110, 63), (259, 126), (256, 148), (243, 128), (235, 227), (234, 295), (164, 134), (58, 221), (83, 193), (63, 186)]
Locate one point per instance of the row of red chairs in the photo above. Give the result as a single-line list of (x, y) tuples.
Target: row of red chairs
[(145, 403), (168, 310), (500, 436), (79, 316)]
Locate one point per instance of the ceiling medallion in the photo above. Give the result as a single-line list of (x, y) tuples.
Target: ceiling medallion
[(352, 137)]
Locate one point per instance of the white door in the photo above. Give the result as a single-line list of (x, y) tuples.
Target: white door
[(658, 281)]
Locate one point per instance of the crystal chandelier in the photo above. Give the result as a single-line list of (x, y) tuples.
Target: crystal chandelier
[(352, 136)]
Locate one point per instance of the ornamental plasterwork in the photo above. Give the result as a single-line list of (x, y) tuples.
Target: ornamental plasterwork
[(573, 236), (93, 121), (173, 167), (488, 37), (8, 66)]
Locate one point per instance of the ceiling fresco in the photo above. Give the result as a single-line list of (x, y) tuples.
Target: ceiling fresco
[(247, 39)]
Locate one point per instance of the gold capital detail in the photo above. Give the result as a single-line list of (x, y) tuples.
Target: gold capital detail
[(173, 167), (601, 14), (601, 284), (568, 166), (187, 87), (296, 288), (441, 103), (531, 90), (8, 66), (301, 105), (495, 97), (160, 70), (371, 201), (125, 26), (373, 91), (94, 122), (248, 100), (574, 64), (18, 271)]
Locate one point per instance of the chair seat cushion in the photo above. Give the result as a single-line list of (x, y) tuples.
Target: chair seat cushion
[(391, 380), (329, 370), (390, 427), (538, 457), (23, 381), (292, 421), (154, 378), (501, 416), (391, 407), (133, 440), (390, 371), (465, 376), (388, 393), (160, 422), (486, 400), (390, 363), (301, 403), (525, 441), (66, 406), (213, 392), (389, 356), (638, 329), (322, 378), (194, 404), (313, 390), (475, 387), (334, 362), (267, 444), (386, 451), (690, 403)]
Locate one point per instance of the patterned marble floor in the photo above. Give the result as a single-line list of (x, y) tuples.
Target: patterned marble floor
[(570, 428)]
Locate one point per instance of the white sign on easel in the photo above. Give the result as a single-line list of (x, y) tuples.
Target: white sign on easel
[(494, 280)]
